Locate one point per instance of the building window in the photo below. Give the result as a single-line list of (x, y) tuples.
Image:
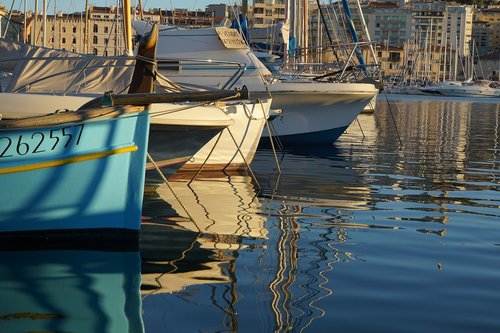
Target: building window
[(394, 56), (74, 40), (95, 40), (74, 30), (95, 50), (64, 40), (106, 29), (96, 28)]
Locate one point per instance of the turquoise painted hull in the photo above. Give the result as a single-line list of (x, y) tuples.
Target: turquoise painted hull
[(74, 177), (67, 290)]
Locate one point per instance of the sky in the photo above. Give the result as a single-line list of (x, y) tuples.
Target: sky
[(79, 5)]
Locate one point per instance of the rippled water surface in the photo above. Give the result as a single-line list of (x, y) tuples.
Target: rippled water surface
[(395, 228)]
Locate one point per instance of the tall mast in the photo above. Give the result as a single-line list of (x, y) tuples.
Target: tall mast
[(366, 32), (25, 34), (305, 31), (141, 12), (456, 59), (34, 32), (44, 23), (330, 39), (445, 62), (354, 35), (87, 26), (128, 27)]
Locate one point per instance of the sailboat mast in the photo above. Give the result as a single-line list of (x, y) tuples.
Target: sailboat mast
[(354, 35), (141, 12), (44, 23), (25, 34), (456, 59), (305, 30), (87, 25), (128, 27), (330, 39), (472, 60), (445, 62), (366, 32), (34, 32)]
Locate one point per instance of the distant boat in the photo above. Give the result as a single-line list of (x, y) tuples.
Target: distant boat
[(483, 88), (74, 172)]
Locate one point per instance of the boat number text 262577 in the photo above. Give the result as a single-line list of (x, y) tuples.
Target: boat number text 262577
[(39, 142)]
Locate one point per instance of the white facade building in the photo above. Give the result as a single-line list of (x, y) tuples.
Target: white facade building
[(458, 28), (388, 24)]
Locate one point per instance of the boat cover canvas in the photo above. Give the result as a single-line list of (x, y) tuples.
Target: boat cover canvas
[(44, 70)]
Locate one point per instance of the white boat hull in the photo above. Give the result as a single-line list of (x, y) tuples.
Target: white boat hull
[(476, 92), (235, 147), (317, 112)]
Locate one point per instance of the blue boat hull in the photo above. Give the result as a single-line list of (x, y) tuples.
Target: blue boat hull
[(320, 137), (73, 177)]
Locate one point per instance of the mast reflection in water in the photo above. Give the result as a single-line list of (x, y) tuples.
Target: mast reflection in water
[(386, 230)]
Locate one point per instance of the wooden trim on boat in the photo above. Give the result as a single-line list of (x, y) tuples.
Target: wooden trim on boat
[(145, 99), (54, 119), (69, 160)]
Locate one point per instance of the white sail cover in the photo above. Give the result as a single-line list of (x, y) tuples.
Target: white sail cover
[(39, 69)]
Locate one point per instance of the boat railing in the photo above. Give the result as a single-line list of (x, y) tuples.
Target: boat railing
[(332, 62), (176, 65)]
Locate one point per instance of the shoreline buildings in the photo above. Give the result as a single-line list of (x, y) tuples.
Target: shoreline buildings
[(398, 29)]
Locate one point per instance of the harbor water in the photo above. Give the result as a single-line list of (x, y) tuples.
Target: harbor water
[(394, 228)]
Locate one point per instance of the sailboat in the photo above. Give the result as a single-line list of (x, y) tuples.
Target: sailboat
[(312, 112), (466, 88), (469, 88)]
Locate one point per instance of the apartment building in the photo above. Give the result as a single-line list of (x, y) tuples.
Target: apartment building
[(482, 37), (101, 35), (266, 12), (458, 33), (105, 28), (492, 17), (388, 23), (428, 19)]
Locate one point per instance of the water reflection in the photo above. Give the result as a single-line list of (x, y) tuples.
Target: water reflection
[(345, 235), (448, 159), (326, 243), (65, 290), (192, 237)]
